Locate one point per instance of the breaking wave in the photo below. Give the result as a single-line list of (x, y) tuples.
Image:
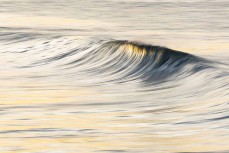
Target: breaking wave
[(107, 60)]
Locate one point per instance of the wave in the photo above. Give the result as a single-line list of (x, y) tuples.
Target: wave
[(109, 60), (127, 60)]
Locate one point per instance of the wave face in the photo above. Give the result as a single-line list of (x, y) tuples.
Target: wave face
[(118, 60), (120, 92), (135, 60)]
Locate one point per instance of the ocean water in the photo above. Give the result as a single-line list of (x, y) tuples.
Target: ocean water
[(133, 76)]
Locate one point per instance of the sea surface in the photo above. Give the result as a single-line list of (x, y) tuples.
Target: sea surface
[(114, 76)]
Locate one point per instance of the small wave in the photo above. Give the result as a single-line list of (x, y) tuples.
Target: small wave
[(109, 60), (125, 60)]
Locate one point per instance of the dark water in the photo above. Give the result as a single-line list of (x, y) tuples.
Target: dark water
[(94, 76)]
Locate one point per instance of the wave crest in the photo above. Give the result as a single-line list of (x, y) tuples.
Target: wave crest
[(117, 60), (128, 60)]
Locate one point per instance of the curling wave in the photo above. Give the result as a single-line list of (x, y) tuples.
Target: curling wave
[(104, 60), (138, 60)]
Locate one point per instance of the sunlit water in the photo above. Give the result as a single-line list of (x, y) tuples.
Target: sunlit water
[(89, 76)]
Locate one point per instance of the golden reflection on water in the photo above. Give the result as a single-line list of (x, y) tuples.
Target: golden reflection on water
[(108, 134), (33, 122)]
